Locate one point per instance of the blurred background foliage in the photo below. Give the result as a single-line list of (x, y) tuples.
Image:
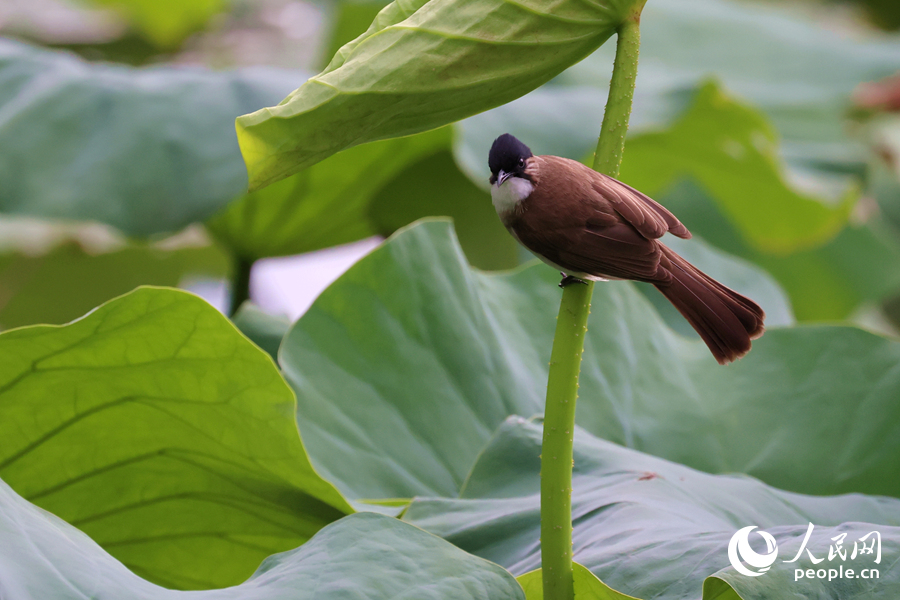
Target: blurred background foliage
[(771, 129)]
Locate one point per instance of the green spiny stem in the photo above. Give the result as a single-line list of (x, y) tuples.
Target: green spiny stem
[(568, 343), (611, 143), (556, 449)]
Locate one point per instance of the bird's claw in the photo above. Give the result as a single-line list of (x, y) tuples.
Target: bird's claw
[(569, 280)]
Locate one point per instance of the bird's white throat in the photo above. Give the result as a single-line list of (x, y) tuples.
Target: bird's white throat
[(506, 196)]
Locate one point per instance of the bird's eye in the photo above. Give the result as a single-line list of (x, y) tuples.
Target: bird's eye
[(521, 162)]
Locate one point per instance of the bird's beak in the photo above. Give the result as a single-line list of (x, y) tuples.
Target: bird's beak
[(502, 176)]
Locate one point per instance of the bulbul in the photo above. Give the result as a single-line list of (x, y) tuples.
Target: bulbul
[(593, 227)]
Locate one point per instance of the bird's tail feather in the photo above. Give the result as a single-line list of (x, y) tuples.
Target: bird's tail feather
[(726, 320)]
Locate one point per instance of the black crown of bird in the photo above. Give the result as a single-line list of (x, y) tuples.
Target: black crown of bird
[(592, 227)]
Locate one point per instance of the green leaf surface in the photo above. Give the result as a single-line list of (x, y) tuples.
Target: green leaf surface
[(349, 20), (731, 151), (364, 555), (146, 150), (33, 286), (419, 66), (325, 205), (655, 529), (402, 379), (156, 428), (587, 586)]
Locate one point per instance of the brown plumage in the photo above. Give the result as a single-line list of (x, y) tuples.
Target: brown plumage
[(592, 226)]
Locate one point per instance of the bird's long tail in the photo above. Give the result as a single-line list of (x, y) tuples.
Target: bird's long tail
[(726, 320)]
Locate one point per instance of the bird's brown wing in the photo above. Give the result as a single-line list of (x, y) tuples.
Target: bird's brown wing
[(649, 217), (611, 251), (610, 231)]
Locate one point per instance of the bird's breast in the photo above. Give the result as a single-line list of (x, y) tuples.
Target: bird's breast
[(507, 196)]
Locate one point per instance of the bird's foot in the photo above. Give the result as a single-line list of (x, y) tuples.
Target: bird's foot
[(569, 280)]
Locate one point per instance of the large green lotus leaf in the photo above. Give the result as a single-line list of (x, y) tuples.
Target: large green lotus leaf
[(730, 150), (155, 427), (406, 365), (361, 556), (325, 205), (145, 150), (419, 66), (33, 285), (651, 528), (405, 343), (861, 264)]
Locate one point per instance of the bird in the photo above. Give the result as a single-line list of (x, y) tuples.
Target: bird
[(592, 227)]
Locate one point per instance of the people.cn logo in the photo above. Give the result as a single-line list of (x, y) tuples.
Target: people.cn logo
[(740, 552)]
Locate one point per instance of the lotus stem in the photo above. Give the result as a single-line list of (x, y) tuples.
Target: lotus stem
[(568, 342)]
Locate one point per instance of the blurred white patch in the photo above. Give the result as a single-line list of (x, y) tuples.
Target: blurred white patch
[(276, 33), (297, 20), (35, 237), (214, 291), (289, 285), (60, 22)]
